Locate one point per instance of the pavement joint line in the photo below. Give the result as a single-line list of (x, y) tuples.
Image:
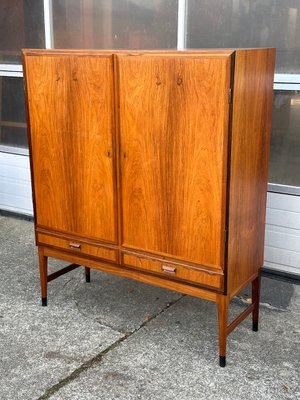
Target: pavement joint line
[(49, 392)]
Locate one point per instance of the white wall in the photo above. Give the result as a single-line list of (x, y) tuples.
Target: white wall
[(15, 185), (282, 240)]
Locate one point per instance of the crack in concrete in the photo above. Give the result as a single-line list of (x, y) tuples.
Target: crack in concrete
[(67, 282), (122, 331), (98, 320), (99, 357)]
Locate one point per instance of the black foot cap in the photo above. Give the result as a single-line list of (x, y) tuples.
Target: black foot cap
[(87, 278), (44, 301), (255, 326), (222, 361)]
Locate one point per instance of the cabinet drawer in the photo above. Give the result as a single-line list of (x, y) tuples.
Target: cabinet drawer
[(77, 246), (182, 272)]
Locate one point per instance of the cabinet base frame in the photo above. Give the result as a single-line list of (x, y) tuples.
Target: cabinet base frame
[(223, 307), (222, 300), (45, 278)]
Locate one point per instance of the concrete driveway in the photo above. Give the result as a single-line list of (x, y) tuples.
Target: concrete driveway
[(115, 338)]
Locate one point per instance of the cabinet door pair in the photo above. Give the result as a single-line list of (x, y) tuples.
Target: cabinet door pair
[(132, 150)]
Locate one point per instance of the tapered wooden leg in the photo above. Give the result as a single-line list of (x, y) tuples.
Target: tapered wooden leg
[(43, 263), (255, 301), (87, 274), (223, 319)]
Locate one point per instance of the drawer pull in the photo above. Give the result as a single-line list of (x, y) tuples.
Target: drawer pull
[(167, 268), (74, 245)]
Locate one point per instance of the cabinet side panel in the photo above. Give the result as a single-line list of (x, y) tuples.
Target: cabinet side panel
[(173, 133), (251, 121), (70, 104)]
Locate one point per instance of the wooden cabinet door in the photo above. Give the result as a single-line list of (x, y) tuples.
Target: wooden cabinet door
[(71, 101), (174, 116)]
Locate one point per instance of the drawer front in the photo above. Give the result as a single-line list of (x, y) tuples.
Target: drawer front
[(77, 246), (181, 272)]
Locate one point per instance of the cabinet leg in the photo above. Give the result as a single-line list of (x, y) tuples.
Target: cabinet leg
[(255, 301), (223, 319), (43, 263), (87, 274)]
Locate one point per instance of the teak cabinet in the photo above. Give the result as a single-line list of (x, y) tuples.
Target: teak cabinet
[(153, 165)]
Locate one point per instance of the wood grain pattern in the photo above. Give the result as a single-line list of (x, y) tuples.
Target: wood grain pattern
[(84, 248), (252, 105), (173, 134), (223, 308), (43, 266), (133, 274), (70, 101), (132, 164), (214, 53), (174, 271)]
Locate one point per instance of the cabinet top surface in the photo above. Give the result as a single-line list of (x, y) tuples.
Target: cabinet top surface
[(173, 52)]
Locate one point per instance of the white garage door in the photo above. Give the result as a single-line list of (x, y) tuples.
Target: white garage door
[(282, 240), (15, 185)]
